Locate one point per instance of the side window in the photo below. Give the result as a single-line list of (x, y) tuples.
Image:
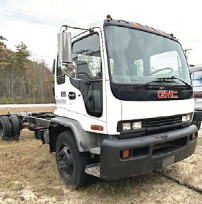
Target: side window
[(86, 54), (60, 75)]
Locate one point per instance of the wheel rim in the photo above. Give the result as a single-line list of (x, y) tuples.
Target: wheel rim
[(65, 161)]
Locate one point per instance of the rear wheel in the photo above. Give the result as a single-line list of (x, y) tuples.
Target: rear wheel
[(5, 128), (15, 130), (71, 163)]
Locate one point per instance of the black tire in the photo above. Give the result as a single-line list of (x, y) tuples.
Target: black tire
[(5, 128), (197, 123), (15, 127), (71, 163)]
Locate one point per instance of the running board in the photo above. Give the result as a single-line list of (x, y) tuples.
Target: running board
[(93, 169)]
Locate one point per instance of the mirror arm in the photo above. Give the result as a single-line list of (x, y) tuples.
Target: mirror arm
[(70, 76), (66, 26)]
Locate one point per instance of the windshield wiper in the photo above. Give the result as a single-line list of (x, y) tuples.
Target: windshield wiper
[(168, 80), (161, 79), (184, 82)]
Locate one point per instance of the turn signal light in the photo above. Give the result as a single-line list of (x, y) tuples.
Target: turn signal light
[(97, 127), (193, 136), (125, 153)]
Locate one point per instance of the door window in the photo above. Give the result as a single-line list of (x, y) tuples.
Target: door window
[(87, 56)]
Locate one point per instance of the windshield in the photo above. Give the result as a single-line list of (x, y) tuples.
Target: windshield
[(137, 57)]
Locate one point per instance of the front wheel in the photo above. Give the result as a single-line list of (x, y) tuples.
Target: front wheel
[(71, 163)]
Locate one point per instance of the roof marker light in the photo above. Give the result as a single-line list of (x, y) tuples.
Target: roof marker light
[(150, 29), (109, 17), (137, 25), (161, 32)]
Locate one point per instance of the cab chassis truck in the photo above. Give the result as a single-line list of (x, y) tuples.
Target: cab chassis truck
[(124, 103)]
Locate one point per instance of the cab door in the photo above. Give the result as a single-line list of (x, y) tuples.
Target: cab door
[(61, 88), (89, 91)]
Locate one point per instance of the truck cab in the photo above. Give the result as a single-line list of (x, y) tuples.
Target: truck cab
[(124, 92)]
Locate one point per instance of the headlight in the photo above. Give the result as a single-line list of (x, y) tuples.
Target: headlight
[(186, 118), (189, 117), (137, 125), (131, 126), (126, 126)]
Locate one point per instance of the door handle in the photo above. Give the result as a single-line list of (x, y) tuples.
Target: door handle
[(72, 95)]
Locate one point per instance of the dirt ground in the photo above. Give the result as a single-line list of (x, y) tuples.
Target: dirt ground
[(28, 174)]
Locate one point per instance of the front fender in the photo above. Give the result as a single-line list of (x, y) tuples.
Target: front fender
[(84, 140)]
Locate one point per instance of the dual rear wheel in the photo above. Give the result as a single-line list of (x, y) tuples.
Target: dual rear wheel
[(9, 127)]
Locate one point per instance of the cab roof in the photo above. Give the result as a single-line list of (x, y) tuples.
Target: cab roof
[(138, 26)]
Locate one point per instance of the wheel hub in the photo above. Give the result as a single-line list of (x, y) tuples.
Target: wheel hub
[(65, 161)]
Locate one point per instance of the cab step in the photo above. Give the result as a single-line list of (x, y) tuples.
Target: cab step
[(93, 169)]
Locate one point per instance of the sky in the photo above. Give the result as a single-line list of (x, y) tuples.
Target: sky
[(36, 23)]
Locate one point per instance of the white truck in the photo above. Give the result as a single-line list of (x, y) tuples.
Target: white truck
[(124, 103), (196, 76)]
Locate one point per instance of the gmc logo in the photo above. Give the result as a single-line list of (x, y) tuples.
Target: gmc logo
[(167, 94)]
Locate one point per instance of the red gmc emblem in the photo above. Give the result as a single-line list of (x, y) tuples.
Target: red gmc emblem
[(167, 94)]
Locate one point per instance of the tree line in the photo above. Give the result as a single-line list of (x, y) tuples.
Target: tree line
[(23, 80)]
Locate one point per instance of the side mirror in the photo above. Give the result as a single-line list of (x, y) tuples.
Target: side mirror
[(65, 54), (65, 47)]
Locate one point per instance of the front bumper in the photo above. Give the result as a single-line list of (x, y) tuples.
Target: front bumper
[(147, 153)]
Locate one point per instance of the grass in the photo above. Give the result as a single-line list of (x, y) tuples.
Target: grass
[(25, 164), (28, 174)]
